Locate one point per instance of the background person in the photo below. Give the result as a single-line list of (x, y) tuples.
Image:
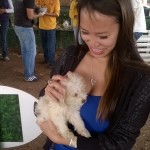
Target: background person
[(6, 7), (140, 22), (47, 26), (23, 21), (73, 14), (144, 2), (118, 103)]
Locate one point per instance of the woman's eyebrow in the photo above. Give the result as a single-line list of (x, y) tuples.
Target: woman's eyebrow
[(105, 32)]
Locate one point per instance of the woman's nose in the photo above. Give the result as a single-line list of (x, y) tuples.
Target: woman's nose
[(94, 42)]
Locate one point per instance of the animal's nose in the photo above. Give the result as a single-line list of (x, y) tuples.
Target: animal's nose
[(83, 101)]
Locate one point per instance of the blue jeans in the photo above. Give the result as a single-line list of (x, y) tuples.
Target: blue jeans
[(48, 39), (3, 35), (28, 49), (137, 35)]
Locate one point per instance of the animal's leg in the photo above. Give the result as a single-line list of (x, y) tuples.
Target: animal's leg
[(61, 125), (41, 115), (76, 120)]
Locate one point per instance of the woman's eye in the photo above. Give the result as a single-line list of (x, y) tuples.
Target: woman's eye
[(83, 32), (103, 37)]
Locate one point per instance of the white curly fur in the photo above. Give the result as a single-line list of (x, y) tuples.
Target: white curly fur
[(66, 111)]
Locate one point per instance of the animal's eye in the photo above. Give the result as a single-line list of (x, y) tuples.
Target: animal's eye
[(75, 95)]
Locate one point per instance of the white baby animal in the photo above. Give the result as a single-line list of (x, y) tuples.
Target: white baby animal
[(65, 111)]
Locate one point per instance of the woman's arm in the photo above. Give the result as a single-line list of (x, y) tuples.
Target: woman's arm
[(124, 132), (50, 130), (135, 101)]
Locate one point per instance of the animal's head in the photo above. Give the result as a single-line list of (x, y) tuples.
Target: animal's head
[(76, 90)]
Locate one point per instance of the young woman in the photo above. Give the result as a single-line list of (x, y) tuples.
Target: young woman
[(118, 103)]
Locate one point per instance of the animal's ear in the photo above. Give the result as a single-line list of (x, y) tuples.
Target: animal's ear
[(69, 73)]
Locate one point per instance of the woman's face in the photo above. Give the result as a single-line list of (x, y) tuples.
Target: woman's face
[(99, 32)]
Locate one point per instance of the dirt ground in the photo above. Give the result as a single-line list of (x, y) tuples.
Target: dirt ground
[(11, 74)]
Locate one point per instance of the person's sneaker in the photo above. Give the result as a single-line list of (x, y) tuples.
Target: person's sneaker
[(31, 79), (6, 58)]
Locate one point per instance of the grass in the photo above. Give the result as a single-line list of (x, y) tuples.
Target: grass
[(10, 120)]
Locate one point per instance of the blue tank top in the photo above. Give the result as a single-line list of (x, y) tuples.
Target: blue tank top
[(88, 114)]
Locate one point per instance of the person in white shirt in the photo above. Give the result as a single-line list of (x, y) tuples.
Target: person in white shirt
[(6, 7), (140, 22), (144, 2)]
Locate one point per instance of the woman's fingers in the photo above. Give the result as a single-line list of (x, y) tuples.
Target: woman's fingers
[(49, 93), (57, 78), (54, 93), (57, 86), (55, 89)]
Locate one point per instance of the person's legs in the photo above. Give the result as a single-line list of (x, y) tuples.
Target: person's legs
[(51, 45), (28, 49), (137, 35), (4, 31), (43, 35)]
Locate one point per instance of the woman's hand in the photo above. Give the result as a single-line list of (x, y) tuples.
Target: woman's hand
[(50, 130), (55, 89)]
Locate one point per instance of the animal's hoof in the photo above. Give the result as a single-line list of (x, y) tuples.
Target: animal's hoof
[(86, 134)]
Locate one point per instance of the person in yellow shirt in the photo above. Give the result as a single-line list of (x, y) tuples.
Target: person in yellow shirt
[(47, 26), (73, 14)]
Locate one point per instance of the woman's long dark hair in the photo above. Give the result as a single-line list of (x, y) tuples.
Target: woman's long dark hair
[(125, 53)]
